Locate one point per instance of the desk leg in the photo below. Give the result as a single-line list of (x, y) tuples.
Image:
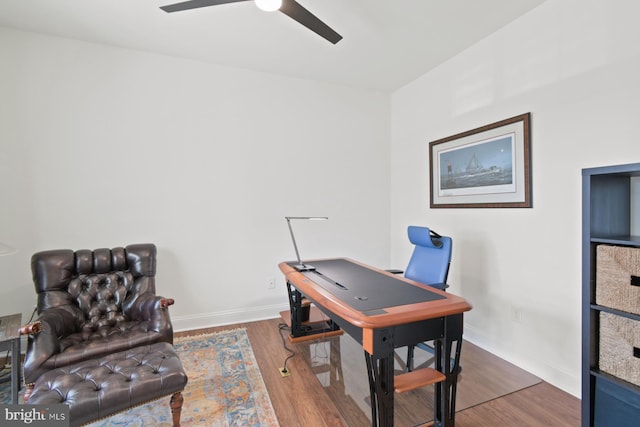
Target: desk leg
[(15, 370), (445, 392), (381, 376), (295, 307)]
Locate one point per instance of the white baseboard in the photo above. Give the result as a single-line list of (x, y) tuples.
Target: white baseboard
[(229, 317)]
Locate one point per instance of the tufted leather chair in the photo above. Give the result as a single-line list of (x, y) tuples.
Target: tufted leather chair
[(93, 303)]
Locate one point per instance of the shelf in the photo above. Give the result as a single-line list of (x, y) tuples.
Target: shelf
[(618, 381), (617, 240), (616, 312), (416, 379), (315, 327), (631, 169), (610, 216), (315, 316)]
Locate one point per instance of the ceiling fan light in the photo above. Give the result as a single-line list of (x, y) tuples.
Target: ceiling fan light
[(269, 5)]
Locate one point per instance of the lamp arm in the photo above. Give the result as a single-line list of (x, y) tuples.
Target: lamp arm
[(295, 246), (300, 266)]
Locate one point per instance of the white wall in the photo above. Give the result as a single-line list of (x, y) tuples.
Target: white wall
[(574, 65), (102, 147)]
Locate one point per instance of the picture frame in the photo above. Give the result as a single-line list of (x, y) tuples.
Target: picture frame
[(486, 167)]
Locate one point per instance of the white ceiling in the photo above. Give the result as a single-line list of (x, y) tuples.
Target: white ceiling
[(387, 43)]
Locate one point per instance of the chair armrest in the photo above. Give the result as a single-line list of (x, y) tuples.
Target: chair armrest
[(166, 302), (31, 328), (146, 305), (441, 286), (44, 339), (154, 310)]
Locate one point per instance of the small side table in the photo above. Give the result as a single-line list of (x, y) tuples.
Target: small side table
[(10, 340)]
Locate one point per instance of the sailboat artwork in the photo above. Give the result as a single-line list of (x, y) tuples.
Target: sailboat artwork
[(485, 166), (475, 168)]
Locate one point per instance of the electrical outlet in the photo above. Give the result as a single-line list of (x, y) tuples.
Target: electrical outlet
[(271, 283), (285, 373), (516, 314)]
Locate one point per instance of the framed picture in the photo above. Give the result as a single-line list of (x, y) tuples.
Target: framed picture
[(487, 167)]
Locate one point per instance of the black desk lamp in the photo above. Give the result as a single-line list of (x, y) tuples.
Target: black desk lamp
[(300, 266)]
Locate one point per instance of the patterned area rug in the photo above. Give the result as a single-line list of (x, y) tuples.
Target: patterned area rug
[(225, 387)]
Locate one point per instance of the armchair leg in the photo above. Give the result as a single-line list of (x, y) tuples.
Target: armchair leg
[(176, 407)]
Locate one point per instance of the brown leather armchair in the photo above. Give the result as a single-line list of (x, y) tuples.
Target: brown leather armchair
[(93, 303)]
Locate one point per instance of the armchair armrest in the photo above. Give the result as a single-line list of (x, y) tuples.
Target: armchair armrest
[(166, 302), (154, 310), (31, 328), (44, 339), (146, 305)]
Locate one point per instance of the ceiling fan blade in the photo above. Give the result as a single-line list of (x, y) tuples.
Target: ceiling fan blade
[(297, 12), (194, 4)]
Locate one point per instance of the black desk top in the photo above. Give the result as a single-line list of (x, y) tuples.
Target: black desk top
[(364, 289), (381, 284)]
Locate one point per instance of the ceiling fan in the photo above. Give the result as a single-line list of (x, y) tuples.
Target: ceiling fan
[(291, 8)]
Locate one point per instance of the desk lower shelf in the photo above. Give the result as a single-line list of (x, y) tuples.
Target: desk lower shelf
[(416, 379), (316, 327)]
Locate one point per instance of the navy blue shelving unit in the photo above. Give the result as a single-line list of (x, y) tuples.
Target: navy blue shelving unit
[(606, 219)]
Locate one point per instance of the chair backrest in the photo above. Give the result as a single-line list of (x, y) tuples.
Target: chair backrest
[(429, 263), (98, 286)]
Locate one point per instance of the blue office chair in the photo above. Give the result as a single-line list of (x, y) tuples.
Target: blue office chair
[(429, 264)]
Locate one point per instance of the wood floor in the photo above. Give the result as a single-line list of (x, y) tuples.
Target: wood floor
[(300, 400)]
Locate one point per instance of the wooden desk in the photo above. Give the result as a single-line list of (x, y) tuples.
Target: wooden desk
[(382, 311), (10, 340)]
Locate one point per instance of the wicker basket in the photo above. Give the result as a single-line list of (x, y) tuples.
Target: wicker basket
[(618, 278), (620, 347)]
